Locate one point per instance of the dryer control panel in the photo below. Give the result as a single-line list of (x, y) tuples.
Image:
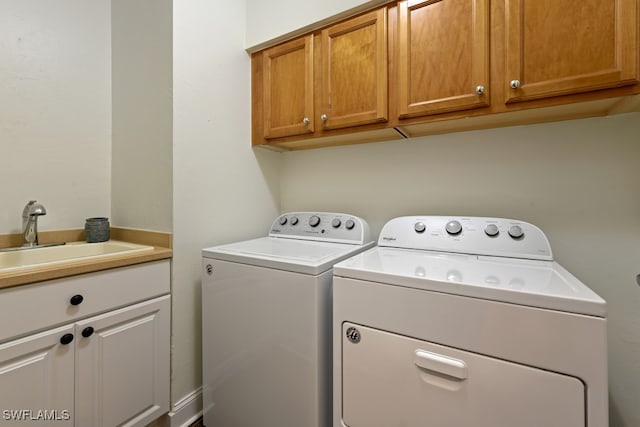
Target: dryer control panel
[(322, 226), (469, 235)]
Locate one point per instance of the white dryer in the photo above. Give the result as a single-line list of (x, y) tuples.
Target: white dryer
[(466, 322), (266, 321)]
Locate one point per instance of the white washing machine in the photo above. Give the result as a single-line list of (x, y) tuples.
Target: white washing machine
[(466, 322), (266, 321)]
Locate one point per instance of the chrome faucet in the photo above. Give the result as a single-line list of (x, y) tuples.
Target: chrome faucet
[(30, 215)]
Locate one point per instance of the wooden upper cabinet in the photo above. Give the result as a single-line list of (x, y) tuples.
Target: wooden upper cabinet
[(443, 56), (353, 70), (287, 89), (417, 67), (558, 47)]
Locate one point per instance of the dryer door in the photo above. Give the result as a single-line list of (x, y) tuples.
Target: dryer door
[(393, 380)]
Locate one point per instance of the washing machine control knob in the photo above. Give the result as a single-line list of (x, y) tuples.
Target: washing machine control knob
[(491, 230), (350, 224), (419, 227), (294, 220), (336, 223), (282, 220), (516, 232), (314, 221), (453, 227)]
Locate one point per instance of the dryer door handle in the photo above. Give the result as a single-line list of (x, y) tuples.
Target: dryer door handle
[(441, 364)]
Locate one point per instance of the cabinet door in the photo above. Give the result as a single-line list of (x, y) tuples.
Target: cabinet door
[(558, 47), (122, 366), (354, 72), (36, 380), (443, 56), (288, 88)]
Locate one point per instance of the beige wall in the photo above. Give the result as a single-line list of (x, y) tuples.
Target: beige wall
[(577, 180), (55, 111), (141, 145), (56, 123), (266, 20), (223, 191)]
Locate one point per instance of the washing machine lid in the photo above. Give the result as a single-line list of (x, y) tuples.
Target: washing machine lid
[(301, 256), (535, 283)]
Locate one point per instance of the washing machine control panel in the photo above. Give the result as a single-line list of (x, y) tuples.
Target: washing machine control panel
[(469, 235), (322, 226)]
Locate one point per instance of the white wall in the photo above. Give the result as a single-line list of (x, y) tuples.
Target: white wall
[(577, 180), (141, 179), (55, 111), (267, 20), (222, 190)]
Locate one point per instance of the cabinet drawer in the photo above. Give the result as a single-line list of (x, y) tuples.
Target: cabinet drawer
[(46, 304)]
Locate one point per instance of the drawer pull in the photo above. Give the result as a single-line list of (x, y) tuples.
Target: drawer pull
[(66, 339), (76, 299), (87, 332)]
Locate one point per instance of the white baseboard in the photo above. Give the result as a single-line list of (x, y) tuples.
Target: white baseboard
[(184, 412)]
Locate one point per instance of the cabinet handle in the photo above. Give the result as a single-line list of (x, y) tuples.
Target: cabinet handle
[(306, 120), (76, 299), (324, 117), (66, 339), (480, 90), (87, 332), (515, 84)]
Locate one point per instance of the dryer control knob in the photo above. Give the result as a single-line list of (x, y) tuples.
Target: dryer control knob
[(453, 227), (419, 227), (294, 220), (282, 220), (336, 223), (516, 231), (350, 224), (314, 221), (491, 230)]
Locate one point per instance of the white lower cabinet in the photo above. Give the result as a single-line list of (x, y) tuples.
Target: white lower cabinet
[(108, 369), (122, 366), (37, 380)]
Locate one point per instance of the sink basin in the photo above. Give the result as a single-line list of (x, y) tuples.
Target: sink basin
[(80, 251)]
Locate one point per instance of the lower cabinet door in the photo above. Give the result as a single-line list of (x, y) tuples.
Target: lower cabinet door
[(392, 380), (36, 379), (122, 365)]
